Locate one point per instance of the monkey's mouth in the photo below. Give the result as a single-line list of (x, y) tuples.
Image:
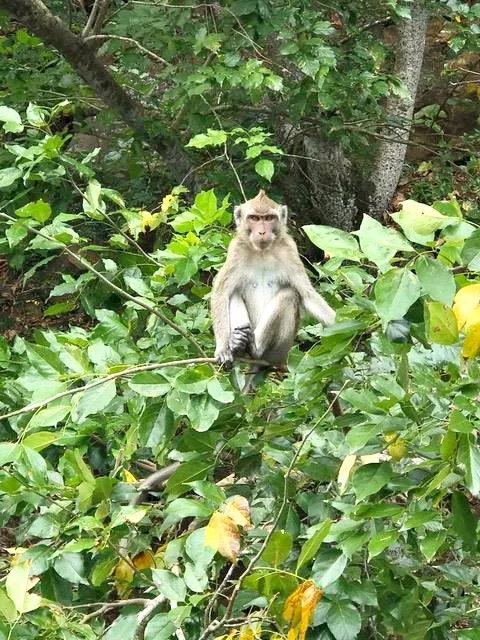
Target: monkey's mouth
[(263, 243)]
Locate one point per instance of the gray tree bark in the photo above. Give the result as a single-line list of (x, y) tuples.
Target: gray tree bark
[(391, 155)]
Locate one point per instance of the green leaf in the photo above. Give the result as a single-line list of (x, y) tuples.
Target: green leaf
[(436, 280), (160, 627), (469, 455), (16, 232), (39, 210), (218, 393), (186, 473), (343, 620), (470, 254), (395, 292), (70, 567), (441, 323), (93, 400), (370, 478), (420, 221), (459, 423), (40, 440), (312, 545), (35, 115), (196, 578), (380, 542), (278, 548), (431, 543), (9, 452), (111, 328), (464, 522), (335, 242), (172, 587), (184, 508), (265, 168), (379, 243), (202, 411), (8, 176), (11, 119), (150, 384), (59, 308), (328, 567), (213, 138), (7, 607)]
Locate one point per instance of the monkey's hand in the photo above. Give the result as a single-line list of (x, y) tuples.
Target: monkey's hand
[(242, 341), (224, 356)]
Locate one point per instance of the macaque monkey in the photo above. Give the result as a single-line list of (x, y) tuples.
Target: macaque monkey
[(260, 292)]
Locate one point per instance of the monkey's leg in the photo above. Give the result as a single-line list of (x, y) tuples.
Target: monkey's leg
[(277, 328), (241, 334)]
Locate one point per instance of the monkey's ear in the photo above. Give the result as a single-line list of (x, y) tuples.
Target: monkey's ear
[(283, 213), (237, 214)]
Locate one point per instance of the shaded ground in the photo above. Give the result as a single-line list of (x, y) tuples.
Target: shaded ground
[(22, 304)]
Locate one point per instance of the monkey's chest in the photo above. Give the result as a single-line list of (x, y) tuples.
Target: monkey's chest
[(260, 286)]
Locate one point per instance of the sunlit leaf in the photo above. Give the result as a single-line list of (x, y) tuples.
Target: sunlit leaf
[(223, 535), (299, 607)]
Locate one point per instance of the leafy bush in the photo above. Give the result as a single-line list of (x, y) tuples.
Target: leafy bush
[(290, 512)]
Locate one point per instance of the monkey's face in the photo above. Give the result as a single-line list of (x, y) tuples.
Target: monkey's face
[(262, 229)]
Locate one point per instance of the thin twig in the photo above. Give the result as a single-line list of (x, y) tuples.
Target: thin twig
[(225, 149), (124, 294), (218, 623), (106, 606), (149, 53), (119, 374)]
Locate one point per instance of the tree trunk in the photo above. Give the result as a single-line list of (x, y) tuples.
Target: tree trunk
[(40, 21), (391, 155)]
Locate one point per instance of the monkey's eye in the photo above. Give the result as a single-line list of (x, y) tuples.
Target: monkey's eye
[(254, 218), (270, 217)]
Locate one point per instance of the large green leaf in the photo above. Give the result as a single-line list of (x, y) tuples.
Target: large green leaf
[(436, 280), (343, 620), (380, 244), (335, 242), (395, 292)]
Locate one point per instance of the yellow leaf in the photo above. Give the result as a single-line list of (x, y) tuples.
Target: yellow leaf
[(123, 574), (168, 201), (144, 560), (466, 302), (471, 344), (128, 476), (299, 607), (345, 470), (17, 585), (222, 534), (150, 220), (238, 510)]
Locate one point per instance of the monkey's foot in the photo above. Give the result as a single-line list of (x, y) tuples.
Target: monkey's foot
[(224, 357), (242, 341)]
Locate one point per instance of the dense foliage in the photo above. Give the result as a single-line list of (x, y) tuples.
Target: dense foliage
[(373, 499)]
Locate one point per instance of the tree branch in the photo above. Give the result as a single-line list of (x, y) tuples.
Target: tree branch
[(152, 366), (104, 37), (38, 19)]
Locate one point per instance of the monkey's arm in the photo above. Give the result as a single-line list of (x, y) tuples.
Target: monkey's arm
[(311, 300)]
